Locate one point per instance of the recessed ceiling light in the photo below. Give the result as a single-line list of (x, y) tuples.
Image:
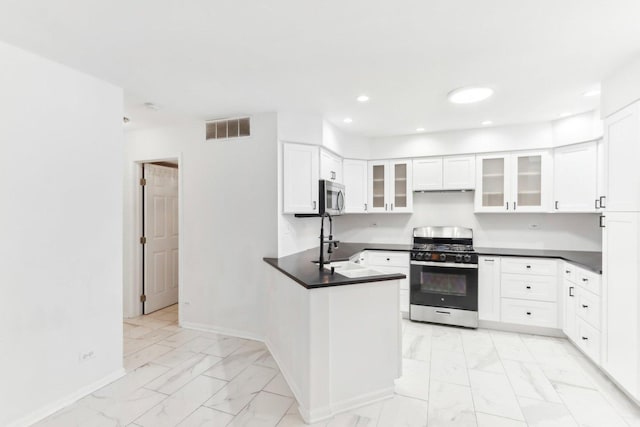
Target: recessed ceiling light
[(362, 98), (419, 129), (468, 95), (348, 120), (486, 123), (591, 93)]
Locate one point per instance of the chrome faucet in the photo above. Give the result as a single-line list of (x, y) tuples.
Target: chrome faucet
[(333, 244)]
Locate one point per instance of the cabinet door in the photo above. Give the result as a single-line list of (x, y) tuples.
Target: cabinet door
[(531, 182), (601, 193), (459, 173), (355, 183), (622, 139), (400, 191), (330, 166), (569, 317), (492, 184), (575, 178), (489, 288), (427, 174), (621, 256), (378, 186), (300, 178)]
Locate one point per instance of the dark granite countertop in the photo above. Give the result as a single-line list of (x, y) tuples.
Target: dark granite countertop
[(301, 268), (591, 261)]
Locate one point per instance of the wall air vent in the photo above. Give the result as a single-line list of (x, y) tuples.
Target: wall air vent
[(228, 128)]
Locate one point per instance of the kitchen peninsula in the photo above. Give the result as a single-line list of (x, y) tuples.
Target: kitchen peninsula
[(336, 339)]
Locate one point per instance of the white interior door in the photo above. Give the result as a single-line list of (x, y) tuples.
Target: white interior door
[(161, 233)]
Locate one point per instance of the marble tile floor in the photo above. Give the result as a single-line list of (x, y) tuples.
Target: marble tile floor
[(451, 377)]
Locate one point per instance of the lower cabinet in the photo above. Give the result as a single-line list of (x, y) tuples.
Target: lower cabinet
[(391, 262), (489, 288), (529, 312)]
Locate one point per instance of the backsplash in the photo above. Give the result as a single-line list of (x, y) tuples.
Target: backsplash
[(531, 231)]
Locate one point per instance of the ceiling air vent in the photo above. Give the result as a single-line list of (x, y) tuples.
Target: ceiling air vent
[(228, 128)]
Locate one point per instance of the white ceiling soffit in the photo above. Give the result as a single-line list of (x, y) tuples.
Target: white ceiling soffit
[(209, 59)]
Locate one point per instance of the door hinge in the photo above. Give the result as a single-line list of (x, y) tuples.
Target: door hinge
[(143, 181), (143, 240), (143, 298)]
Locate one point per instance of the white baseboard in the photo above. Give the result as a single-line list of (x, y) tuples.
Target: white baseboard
[(54, 407), (223, 331)]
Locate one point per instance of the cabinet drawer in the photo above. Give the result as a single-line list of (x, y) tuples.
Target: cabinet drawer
[(588, 307), (588, 280), (388, 259), (527, 286), (537, 266), (404, 300), (569, 272), (532, 313), (588, 339)]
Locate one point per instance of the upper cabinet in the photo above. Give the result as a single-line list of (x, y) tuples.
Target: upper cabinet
[(330, 166), (622, 151), (355, 183), (514, 182), (444, 173), (300, 178), (390, 188), (575, 178)]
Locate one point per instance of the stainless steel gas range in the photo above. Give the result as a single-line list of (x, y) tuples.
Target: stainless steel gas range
[(444, 276)]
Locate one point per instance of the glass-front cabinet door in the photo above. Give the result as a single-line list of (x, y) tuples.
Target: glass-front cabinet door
[(378, 183), (492, 184), (401, 194), (532, 184)]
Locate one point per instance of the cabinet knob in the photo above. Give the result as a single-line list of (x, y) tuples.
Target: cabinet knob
[(388, 259), (528, 313), (568, 271), (528, 266), (528, 287), (584, 279), (584, 338), (585, 306)]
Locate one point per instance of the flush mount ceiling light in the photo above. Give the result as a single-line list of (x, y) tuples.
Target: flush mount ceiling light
[(348, 120), (468, 95), (419, 129), (362, 98), (590, 93), (486, 123)]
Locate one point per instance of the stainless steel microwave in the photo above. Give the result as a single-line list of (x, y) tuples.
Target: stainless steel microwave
[(331, 198)]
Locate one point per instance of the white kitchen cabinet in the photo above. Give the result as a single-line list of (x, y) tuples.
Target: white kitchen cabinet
[(427, 174), (444, 173), (621, 299), (575, 178), (330, 166), (622, 148), (459, 173), (300, 178), (601, 192), (389, 263), (489, 288), (355, 183), (569, 315), (390, 187), (514, 182)]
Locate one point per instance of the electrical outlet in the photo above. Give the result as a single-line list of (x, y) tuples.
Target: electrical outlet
[(84, 356)]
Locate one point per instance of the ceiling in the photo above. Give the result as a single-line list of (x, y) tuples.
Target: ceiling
[(216, 58)]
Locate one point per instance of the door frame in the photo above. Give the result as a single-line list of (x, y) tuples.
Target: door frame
[(133, 287)]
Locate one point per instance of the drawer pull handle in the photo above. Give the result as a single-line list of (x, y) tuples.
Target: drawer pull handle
[(568, 271), (584, 279), (585, 306), (448, 313), (528, 313), (528, 266), (528, 287), (584, 338), (388, 259)]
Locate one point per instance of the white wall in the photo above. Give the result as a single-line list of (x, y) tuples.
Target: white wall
[(61, 227), (228, 220), (555, 231), (621, 88)]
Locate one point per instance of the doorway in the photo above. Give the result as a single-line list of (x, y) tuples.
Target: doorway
[(160, 235)]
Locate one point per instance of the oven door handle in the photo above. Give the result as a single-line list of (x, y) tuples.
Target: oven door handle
[(444, 264)]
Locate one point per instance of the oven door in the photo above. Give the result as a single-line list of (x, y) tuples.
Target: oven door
[(440, 284)]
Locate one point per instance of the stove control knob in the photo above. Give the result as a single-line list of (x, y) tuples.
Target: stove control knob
[(443, 257), (467, 258), (458, 258)]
